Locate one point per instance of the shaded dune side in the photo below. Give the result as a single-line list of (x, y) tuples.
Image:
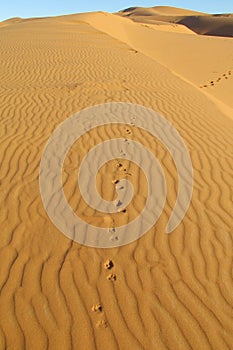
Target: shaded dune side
[(200, 23), (172, 291), (216, 26)]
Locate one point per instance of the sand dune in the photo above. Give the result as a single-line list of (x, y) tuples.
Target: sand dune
[(206, 62), (201, 23), (161, 291), (160, 10)]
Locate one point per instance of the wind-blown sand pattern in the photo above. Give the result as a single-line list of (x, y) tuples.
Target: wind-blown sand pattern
[(161, 291)]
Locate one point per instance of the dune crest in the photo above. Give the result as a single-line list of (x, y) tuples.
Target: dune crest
[(199, 60), (200, 23)]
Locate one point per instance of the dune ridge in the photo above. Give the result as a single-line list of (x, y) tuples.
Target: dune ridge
[(201, 23), (204, 62), (169, 291)]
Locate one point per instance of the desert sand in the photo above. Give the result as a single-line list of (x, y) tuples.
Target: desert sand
[(199, 22), (161, 291)]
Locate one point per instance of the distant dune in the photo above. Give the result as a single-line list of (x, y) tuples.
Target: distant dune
[(161, 292), (160, 11), (201, 23)]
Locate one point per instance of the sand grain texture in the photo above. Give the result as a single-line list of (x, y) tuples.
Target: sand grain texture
[(163, 291)]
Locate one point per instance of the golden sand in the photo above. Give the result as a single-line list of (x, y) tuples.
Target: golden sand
[(161, 291)]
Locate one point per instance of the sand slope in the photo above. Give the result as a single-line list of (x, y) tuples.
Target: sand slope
[(201, 23), (171, 291), (206, 62)]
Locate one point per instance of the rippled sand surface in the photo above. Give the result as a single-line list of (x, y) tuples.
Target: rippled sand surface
[(161, 291)]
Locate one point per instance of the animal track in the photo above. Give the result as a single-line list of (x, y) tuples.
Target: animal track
[(128, 131), (111, 277), (97, 308), (133, 50), (108, 264), (122, 153), (102, 324), (119, 165), (119, 203), (214, 82), (115, 181), (123, 211), (121, 168), (113, 236)]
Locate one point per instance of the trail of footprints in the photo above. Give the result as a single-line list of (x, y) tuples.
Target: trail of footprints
[(119, 204), (214, 82), (98, 308), (108, 264), (116, 182)]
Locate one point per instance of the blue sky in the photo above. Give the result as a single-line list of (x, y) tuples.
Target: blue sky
[(26, 8)]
